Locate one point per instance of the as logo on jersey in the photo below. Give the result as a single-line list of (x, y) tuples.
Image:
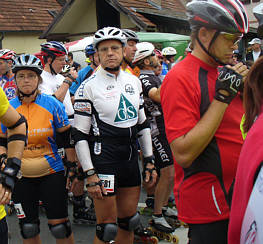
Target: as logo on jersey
[(126, 110)]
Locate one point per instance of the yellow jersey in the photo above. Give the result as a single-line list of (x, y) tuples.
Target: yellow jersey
[(4, 104)]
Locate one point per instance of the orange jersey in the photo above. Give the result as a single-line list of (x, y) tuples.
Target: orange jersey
[(44, 116)]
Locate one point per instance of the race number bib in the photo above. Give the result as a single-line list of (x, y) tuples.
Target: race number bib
[(107, 182), (252, 226), (19, 211)]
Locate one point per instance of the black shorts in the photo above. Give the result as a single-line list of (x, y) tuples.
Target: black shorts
[(162, 151), (50, 189), (126, 173), (215, 233), (3, 231)]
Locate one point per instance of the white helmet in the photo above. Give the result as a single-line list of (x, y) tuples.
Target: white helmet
[(27, 61), (109, 33), (169, 51), (144, 49)]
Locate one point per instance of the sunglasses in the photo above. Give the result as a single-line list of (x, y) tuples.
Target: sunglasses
[(235, 38)]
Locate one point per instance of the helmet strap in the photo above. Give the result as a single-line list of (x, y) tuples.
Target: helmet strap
[(93, 62), (22, 94), (210, 45), (53, 72)]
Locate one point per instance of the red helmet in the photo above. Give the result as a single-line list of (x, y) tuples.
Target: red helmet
[(158, 53), (7, 54), (53, 48)]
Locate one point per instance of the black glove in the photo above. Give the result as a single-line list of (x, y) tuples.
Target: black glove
[(146, 161), (230, 81), (10, 173)]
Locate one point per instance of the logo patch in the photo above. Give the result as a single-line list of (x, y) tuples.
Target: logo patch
[(110, 87), (126, 110), (83, 107), (129, 89)]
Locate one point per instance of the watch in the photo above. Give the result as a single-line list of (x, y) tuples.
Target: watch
[(83, 175), (90, 173), (69, 82)]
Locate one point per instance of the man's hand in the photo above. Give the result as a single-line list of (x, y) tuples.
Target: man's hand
[(240, 68), (95, 188), (73, 73), (230, 82), (149, 173)]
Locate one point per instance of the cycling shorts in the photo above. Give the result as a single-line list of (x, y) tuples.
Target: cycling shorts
[(50, 189), (115, 175), (162, 151), (215, 233)]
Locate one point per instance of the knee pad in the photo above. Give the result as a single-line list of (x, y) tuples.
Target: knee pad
[(106, 232), (29, 230), (61, 231), (129, 223)]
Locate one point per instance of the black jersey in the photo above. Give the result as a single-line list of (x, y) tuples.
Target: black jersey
[(153, 110)]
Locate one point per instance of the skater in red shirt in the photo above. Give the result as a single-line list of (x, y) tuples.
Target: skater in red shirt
[(202, 112)]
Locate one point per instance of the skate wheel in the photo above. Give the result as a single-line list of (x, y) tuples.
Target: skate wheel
[(154, 240), (168, 237), (175, 240)]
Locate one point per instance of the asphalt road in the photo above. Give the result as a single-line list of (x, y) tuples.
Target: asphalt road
[(82, 233)]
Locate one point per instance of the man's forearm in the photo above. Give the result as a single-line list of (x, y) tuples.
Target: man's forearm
[(189, 146)]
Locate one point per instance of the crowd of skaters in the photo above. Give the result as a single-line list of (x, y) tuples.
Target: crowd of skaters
[(187, 116)]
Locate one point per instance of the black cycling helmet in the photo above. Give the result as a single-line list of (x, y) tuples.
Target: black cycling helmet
[(224, 15), (130, 35)]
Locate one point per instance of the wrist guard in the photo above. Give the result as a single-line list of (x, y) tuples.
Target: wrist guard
[(10, 173), (146, 161), (229, 81)]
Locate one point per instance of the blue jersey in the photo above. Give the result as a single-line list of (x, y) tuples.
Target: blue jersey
[(82, 75), (165, 68)]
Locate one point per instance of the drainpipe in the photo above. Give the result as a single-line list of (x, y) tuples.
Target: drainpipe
[(1, 39)]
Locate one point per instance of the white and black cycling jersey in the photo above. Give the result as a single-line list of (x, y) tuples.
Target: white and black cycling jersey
[(153, 109), (109, 109)]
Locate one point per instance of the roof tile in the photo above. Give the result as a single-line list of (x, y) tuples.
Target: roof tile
[(171, 8), (26, 15)]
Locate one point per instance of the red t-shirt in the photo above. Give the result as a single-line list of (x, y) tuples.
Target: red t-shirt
[(250, 160), (201, 190)]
